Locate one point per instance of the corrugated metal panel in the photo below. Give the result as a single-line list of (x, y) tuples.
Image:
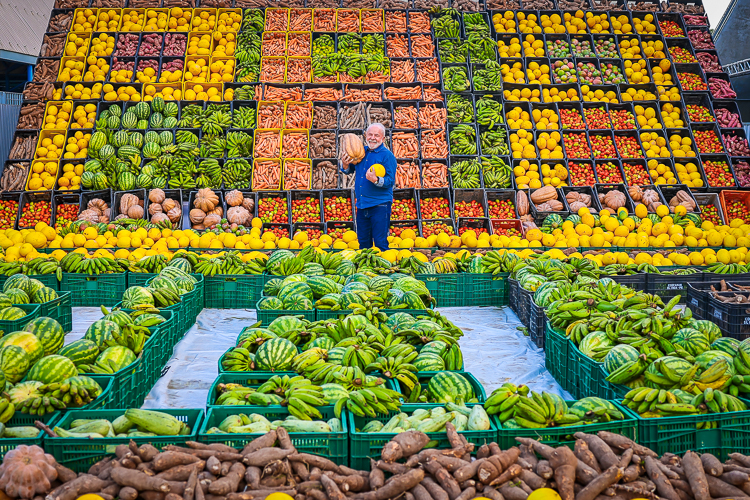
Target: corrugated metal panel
[(22, 25), (8, 121), (13, 98)]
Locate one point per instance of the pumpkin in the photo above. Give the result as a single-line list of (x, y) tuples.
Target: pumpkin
[(544, 194), (135, 212), (614, 199), (97, 203), (175, 215), (576, 206), (249, 204), (128, 200), (211, 220), (206, 200), (156, 196), (550, 206), (197, 216), (155, 208), (576, 197), (650, 196), (351, 144), (217, 211), (27, 472), (238, 215), (168, 204), (523, 203), (158, 218), (682, 198), (636, 193), (233, 198)]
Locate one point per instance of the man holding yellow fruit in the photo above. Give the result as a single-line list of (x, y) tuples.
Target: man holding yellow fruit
[(374, 167)]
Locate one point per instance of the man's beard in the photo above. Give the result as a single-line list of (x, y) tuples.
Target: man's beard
[(374, 144)]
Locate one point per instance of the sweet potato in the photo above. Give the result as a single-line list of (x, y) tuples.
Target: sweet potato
[(404, 445), (543, 469), (183, 472), (512, 492), (711, 465), (601, 450), (267, 440), (467, 494), (434, 489), (139, 480), (168, 459), (469, 470), (230, 482), (534, 481), (395, 486), (600, 483), (128, 493), (443, 477), (693, 466)]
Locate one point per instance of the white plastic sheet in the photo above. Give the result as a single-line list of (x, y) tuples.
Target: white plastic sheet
[(495, 351)]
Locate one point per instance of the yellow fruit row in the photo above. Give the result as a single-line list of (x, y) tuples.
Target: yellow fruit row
[(150, 20)]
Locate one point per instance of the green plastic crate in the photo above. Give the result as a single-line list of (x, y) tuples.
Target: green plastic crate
[(248, 379), (156, 352), (197, 297), (127, 385), (680, 434), (233, 291), (139, 279), (424, 379), (556, 355), (608, 390), (266, 316), (446, 288), (81, 453), (48, 280), (23, 420), (59, 309), (366, 445), (583, 373), (559, 436), (321, 314), (331, 445), (93, 290), (13, 325), (485, 289)]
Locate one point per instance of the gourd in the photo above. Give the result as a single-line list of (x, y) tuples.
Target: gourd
[(523, 203), (27, 472), (234, 198), (238, 215), (614, 199), (160, 217), (135, 212), (154, 208), (127, 201), (206, 200), (636, 193), (197, 216), (682, 198), (175, 215), (156, 196), (353, 147), (211, 220), (168, 205), (544, 194)]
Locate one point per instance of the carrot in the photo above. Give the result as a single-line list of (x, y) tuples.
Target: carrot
[(266, 175), (372, 21), (376, 77), (272, 93), (267, 144), (300, 20), (432, 117), (433, 94), (405, 145), (395, 22), (296, 175), (298, 44), (347, 21), (325, 20), (434, 175), (427, 71), (346, 78), (276, 20), (299, 115), (397, 46), (422, 46), (358, 95), (272, 69), (298, 70), (434, 144), (270, 114), (324, 79), (274, 43), (407, 175), (402, 71), (294, 145), (402, 94), (406, 117), (419, 22), (322, 94)]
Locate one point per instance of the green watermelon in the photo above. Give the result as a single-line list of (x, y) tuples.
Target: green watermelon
[(151, 150), (166, 138), (49, 332), (270, 303), (170, 109), (380, 284), (436, 347), (5, 301), (18, 296), (297, 303), (120, 317), (333, 392), (12, 313), (26, 341), (355, 286), (428, 362), (137, 297), (142, 110), (321, 286), (45, 294), (271, 288), (80, 352), (275, 259), (174, 272), (14, 362), (20, 281), (450, 387), (126, 181), (594, 340), (151, 136), (346, 268), (709, 328), (284, 325), (157, 104), (100, 331), (119, 138), (116, 358), (295, 288), (183, 265), (129, 120), (313, 269), (347, 299), (400, 321), (618, 356), (275, 355), (51, 369), (323, 342), (34, 286), (727, 345), (135, 139), (693, 341), (156, 120)]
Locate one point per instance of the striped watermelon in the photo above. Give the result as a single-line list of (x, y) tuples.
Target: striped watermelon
[(321, 285), (727, 345), (45, 294), (333, 392), (275, 259), (116, 358), (126, 181), (12, 313), (26, 341), (51, 369), (618, 356), (359, 278), (270, 304), (436, 347), (80, 352), (49, 332), (323, 342), (350, 298), (313, 269), (400, 321), (181, 264), (346, 268), (120, 317), (355, 286), (174, 272), (592, 341), (709, 328), (294, 278), (445, 387), (275, 355), (14, 362), (135, 139), (271, 288), (429, 362), (336, 355), (34, 286), (297, 288), (297, 303), (380, 284), (20, 281), (136, 297), (119, 138), (4, 301), (693, 341), (18, 296), (100, 331), (286, 325)]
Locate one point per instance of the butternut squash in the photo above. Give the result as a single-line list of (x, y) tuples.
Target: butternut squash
[(353, 147)]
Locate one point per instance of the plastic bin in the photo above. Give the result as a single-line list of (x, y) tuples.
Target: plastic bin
[(583, 373), (667, 286), (25, 420), (93, 290), (233, 291), (59, 309), (537, 324), (556, 355), (697, 297), (733, 319), (13, 325)]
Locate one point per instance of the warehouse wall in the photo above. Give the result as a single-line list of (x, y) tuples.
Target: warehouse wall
[(10, 106)]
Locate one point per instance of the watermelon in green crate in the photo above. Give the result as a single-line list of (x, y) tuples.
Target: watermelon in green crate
[(49, 332), (11, 313), (618, 356), (14, 362), (101, 331), (275, 355), (44, 294), (26, 341), (51, 369), (81, 351)]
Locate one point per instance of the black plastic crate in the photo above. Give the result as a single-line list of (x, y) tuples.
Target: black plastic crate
[(667, 286), (524, 305), (537, 324), (513, 295), (635, 281), (733, 319)]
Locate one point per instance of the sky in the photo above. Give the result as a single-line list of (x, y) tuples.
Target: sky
[(715, 9)]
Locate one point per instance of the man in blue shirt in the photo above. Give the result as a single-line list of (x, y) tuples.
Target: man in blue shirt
[(373, 193)]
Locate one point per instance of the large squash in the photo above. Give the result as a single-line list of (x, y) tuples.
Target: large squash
[(353, 147), (546, 193)]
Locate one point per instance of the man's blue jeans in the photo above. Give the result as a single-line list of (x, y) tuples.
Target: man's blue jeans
[(372, 226)]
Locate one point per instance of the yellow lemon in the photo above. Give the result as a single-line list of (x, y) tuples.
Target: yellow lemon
[(544, 494)]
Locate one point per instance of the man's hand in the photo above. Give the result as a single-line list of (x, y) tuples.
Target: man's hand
[(371, 176), (345, 161)]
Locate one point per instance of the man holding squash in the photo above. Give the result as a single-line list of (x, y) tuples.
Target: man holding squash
[(375, 173)]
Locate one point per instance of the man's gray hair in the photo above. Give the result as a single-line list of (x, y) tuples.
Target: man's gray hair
[(379, 126)]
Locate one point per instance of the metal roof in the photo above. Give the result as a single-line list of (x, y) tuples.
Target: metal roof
[(22, 25)]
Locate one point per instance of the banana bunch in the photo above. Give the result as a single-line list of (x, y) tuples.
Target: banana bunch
[(243, 117), (445, 266), (213, 146), (149, 264), (329, 260), (7, 410), (328, 303), (246, 92), (502, 400), (287, 267), (40, 265), (186, 137), (131, 336), (539, 411), (370, 258), (494, 142), (248, 47), (489, 78), (298, 394), (192, 116), (237, 173), (234, 394), (652, 403), (465, 173), (373, 44), (496, 172), (398, 368), (371, 309), (481, 47), (447, 25), (629, 371), (463, 140), (164, 297), (489, 111), (456, 79), (239, 359), (78, 263), (369, 401), (72, 392), (219, 119), (719, 268), (240, 144)]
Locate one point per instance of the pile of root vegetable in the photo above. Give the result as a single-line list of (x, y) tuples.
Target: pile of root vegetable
[(598, 467)]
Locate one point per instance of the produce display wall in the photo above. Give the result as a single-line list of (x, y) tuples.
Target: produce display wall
[(481, 104)]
